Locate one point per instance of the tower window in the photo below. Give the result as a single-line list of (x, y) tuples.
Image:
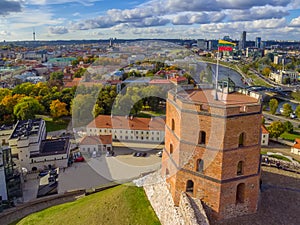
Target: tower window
[(173, 125), (202, 138), (241, 139), (171, 149), (200, 165), (190, 186), (167, 172), (239, 170), (240, 193)]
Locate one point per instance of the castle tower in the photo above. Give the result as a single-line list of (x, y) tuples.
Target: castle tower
[(212, 150)]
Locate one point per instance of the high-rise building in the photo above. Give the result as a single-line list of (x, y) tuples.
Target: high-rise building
[(242, 43), (212, 149), (258, 42), (202, 44)]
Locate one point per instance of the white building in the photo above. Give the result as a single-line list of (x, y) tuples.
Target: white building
[(295, 149), (3, 190), (5, 132), (264, 136), (280, 76), (28, 143), (131, 129), (100, 143)]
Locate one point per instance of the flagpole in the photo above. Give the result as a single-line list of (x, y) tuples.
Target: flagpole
[(217, 75)]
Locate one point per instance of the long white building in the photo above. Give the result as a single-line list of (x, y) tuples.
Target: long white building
[(131, 129)]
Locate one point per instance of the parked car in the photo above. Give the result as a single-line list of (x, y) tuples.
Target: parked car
[(159, 154), (293, 116), (140, 154), (43, 173), (79, 159)]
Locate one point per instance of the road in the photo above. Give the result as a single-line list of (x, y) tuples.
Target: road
[(295, 122)]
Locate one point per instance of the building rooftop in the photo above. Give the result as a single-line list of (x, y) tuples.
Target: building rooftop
[(96, 140), (52, 147), (128, 123), (25, 128), (264, 130), (207, 96)]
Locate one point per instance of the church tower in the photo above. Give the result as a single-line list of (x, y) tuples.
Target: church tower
[(212, 149)]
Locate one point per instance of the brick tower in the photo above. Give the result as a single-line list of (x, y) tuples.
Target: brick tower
[(212, 149)]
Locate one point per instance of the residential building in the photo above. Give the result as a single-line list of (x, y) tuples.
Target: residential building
[(97, 144), (295, 149), (264, 136), (212, 149), (128, 128)]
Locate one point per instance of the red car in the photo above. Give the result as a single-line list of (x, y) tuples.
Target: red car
[(79, 159)]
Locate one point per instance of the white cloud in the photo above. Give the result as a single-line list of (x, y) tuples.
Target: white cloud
[(58, 30), (295, 22)]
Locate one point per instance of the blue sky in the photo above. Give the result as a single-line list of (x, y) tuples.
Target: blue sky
[(92, 19)]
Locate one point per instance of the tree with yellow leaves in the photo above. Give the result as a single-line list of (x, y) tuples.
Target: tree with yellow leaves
[(58, 109)]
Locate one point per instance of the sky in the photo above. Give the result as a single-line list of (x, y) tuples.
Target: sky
[(186, 19)]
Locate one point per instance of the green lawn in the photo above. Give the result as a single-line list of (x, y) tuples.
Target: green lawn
[(51, 125), (116, 206), (279, 157), (290, 136)]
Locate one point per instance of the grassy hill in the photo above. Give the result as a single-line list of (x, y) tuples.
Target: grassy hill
[(119, 205)]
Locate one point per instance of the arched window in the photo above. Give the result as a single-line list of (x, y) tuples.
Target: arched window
[(200, 165), (242, 139), (190, 186), (173, 125), (202, 138), (171, 149), (167, 172), (240, 193), (239, 170)]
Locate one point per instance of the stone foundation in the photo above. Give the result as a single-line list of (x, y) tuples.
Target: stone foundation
[(189, 212)]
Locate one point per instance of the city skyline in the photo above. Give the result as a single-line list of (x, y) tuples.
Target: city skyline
[(92, 19)]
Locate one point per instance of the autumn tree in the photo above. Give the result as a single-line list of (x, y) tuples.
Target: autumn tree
[(273, 104), (276, 129), (27, 108), (266, 71), (287, 109), (58, 109), (297, 111), (288, 126)]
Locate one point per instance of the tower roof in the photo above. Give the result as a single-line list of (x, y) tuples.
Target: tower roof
[(224, 99)]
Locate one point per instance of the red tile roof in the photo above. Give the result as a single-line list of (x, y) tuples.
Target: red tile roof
[(121, 122), (297, 143), (178, 79), (159, 81), (207, 96), (264, 130), (97, 140)]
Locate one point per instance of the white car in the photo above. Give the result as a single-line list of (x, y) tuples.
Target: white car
[(159, 154)]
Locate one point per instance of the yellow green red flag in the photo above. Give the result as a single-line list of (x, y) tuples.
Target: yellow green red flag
[(225, 45)]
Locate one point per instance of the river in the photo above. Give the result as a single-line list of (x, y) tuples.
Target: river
[(224, 72)]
